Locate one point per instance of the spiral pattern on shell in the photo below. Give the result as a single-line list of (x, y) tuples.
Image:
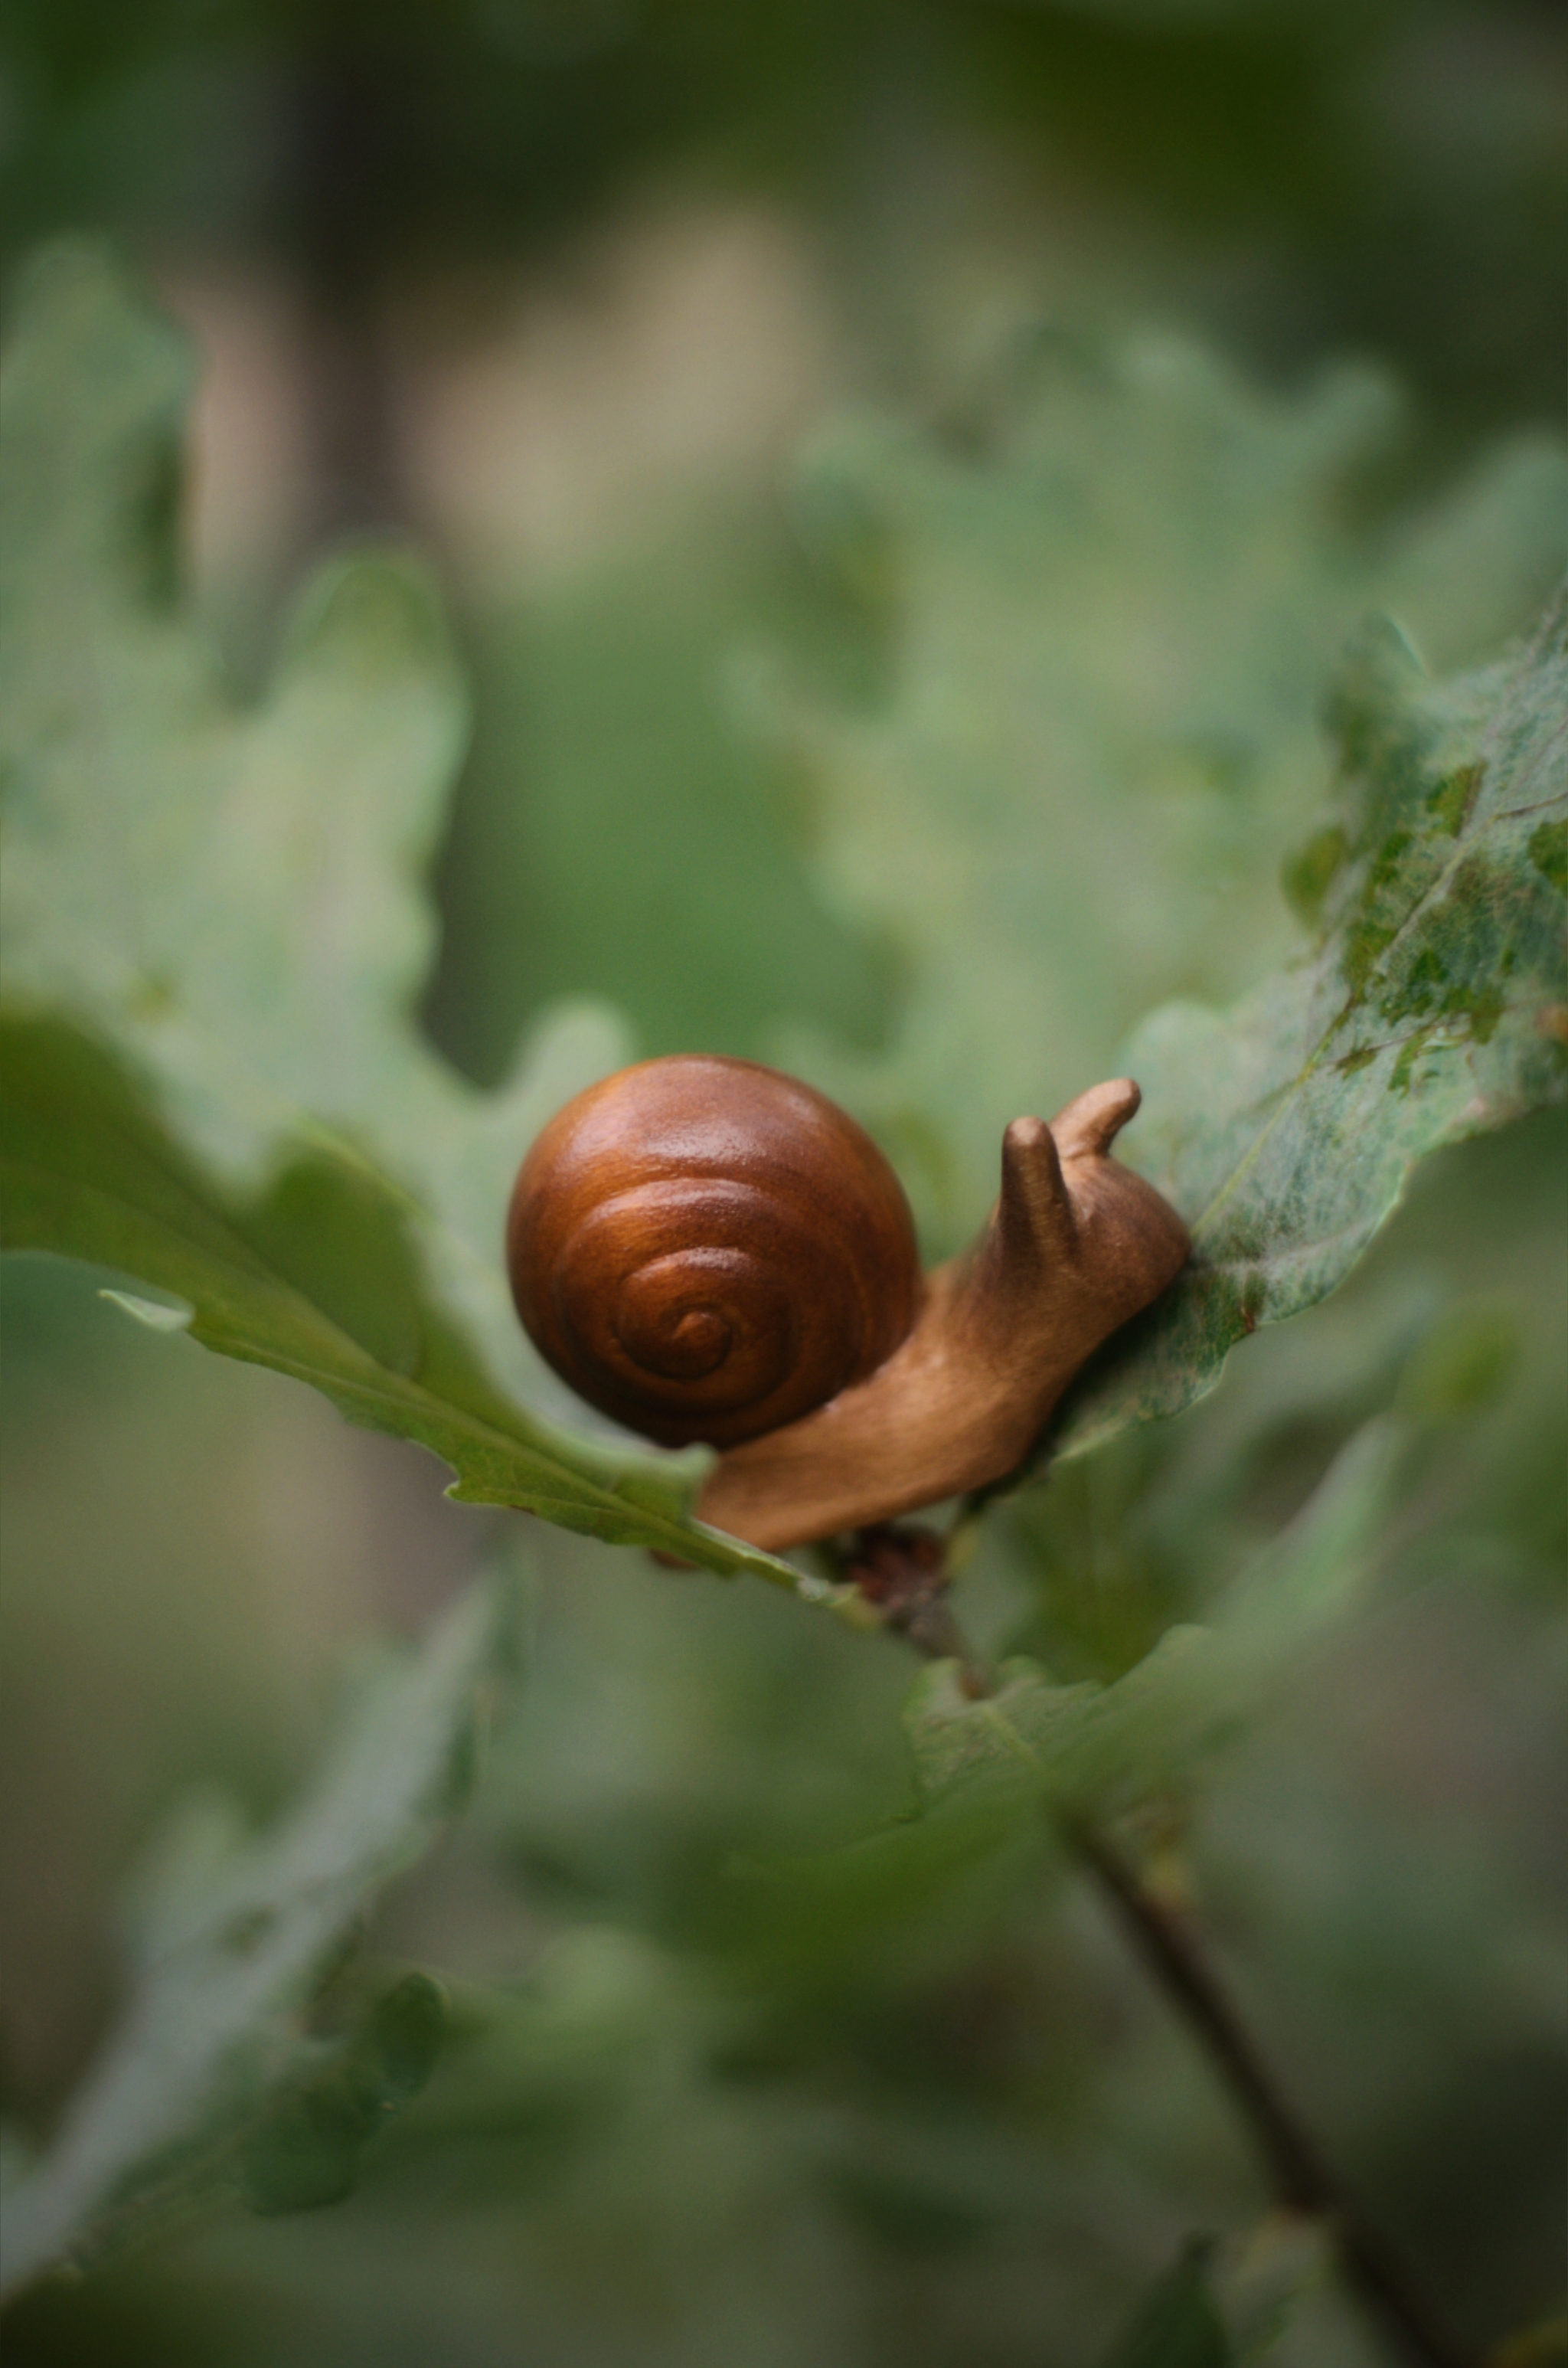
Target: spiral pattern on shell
[(707, 1250)]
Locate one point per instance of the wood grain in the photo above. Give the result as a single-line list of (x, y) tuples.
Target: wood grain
[(1076, 1245), (708, 1250)]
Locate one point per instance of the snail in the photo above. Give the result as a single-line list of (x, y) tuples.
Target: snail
[(707, 1250)]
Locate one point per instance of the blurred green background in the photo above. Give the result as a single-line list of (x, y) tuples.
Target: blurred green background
[(894, 469)]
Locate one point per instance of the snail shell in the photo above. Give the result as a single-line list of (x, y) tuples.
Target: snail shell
[(706, 1249)]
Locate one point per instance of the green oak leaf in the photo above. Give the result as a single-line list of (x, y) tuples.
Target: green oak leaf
[(207, 2072), (305, 2151), (316, 1275), (215, 931), (1112, 597), (986, 1768), (1432, 1005), (1177, 2324), (1103, 1748)]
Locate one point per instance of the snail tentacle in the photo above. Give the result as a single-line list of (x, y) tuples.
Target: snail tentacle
[(1077, 1244)]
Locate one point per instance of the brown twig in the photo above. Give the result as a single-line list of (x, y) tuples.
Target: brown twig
[(903, 1571), (1300, 2179)]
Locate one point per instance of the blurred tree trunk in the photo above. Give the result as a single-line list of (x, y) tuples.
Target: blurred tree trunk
[(347, 109)]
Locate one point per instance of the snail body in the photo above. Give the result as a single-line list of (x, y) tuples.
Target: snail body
[(706, 1249)]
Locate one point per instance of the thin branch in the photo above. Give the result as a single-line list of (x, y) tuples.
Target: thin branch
[(904, 1571), (1301, 2179)]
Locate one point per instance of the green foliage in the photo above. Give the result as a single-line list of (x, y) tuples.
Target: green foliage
[(233, 1943), (224, 907), (1179, 2326), (751, 2057), (1111, 599), (614, 835), (1110, 635), (258, 1130), (1434, 1005), (1392, 181), (315, 1277), (306, 2150), (1105, 1748)]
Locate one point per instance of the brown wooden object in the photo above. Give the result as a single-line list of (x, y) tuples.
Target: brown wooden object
[(708, 1250)]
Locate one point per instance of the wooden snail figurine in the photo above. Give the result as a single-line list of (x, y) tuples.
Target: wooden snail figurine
[(707, 1250)]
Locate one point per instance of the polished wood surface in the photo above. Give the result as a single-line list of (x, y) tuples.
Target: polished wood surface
[(707, 1250), (1076, 1245)]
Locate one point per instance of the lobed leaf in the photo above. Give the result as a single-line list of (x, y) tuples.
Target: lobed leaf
[(1103, 1748), (1112, 608), (1433, 1006), (208, 2058), (1111, 604), (985, 1770), (215, 926), (316, 1276), (305, 2152)]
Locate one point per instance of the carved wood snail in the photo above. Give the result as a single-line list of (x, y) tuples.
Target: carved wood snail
[(707, 1250)]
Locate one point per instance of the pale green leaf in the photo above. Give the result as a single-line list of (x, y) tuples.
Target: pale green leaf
[(215, 931), (1112, 606), (208, 2045), (1261, 2279)]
